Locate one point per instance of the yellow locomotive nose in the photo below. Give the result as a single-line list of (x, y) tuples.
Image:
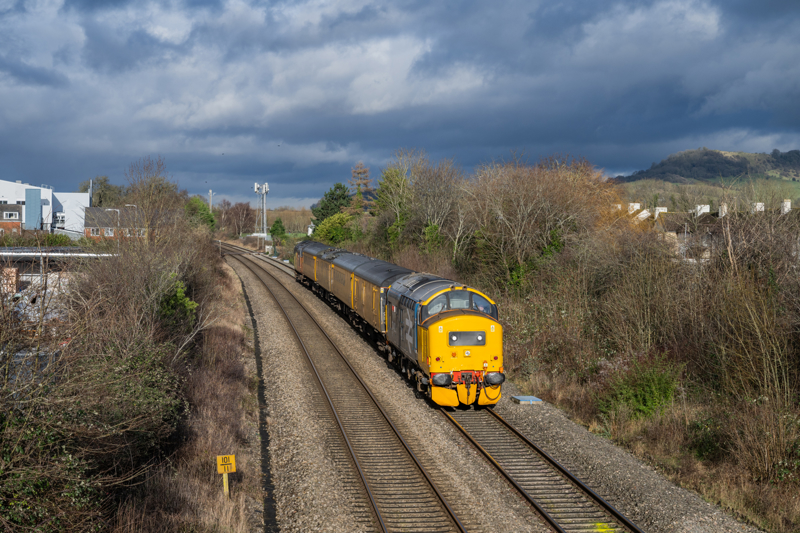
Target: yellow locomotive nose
[(465, 353)]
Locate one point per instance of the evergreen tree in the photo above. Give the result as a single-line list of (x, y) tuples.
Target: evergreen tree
[(331, 204), (277, 231), (360, 186)]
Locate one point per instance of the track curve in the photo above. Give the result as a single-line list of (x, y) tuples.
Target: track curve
[(403, 496)]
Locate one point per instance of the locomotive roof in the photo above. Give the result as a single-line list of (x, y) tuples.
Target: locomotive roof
[(350, 261), (381, 273), (420, 286)]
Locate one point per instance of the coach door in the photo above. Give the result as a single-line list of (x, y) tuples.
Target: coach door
[(376, 304)]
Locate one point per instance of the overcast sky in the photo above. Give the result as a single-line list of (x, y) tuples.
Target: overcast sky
[(296, 92)]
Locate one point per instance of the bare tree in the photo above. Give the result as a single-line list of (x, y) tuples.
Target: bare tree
[(157, 199), (520, 208), (242, 217), (434, 190)]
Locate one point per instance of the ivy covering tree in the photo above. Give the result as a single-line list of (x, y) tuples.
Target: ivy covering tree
[(331, 203), (104, 193), (198, 212)]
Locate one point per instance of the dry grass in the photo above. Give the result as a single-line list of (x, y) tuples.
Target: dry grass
[(186, 493), (681, 441)]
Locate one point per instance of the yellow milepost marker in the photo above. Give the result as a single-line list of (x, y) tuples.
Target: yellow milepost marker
[(226, 464)]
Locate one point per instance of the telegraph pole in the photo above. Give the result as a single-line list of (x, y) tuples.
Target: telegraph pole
[(210, 201)]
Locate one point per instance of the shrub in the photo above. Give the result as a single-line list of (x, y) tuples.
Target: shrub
[(647, 387), (334, 229), (177, 309)]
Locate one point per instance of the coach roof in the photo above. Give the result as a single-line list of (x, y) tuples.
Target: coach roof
[(349, 261), (380, 272)]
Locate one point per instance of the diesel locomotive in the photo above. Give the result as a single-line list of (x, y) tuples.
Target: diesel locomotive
[(443, 335)]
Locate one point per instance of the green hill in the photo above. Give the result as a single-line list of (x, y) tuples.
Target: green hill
[(704, 165)]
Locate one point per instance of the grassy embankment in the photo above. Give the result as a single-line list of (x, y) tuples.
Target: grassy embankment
[(118, 393)]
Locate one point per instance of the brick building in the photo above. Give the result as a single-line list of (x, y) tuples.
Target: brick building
[(10, 219), (102, 223)]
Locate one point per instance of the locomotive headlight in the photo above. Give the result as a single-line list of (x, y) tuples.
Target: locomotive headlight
[(494, 378), (442, 380), (480, 337)]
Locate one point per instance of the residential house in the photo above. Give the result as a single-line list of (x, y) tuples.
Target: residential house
[(10, 219), (104, 223)]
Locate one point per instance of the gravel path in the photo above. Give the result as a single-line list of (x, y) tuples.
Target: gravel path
[(306, 475)]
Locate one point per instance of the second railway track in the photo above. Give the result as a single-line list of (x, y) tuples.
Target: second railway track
[(403, 495), (560, 498)]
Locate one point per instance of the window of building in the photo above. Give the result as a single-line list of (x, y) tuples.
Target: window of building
[(11, 216), (3, 201), (95, 232), (20, 202), (109, 232)]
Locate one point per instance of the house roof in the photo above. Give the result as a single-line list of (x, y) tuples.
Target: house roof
[(99, 217)]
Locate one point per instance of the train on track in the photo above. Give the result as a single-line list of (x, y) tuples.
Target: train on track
[(443, 335)]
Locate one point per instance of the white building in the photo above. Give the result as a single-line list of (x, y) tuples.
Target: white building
[(43, 208)]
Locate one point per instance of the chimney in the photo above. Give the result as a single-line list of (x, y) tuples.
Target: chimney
[(632, 207), (700, 209), (660, 210), (723, 210), (786, 207), (757, 207)]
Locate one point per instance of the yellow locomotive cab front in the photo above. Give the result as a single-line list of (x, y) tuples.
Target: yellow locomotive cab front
[(463, 351)]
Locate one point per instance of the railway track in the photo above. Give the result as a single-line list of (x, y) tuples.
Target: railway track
[(561, 499), (565, 502), (402, 495)]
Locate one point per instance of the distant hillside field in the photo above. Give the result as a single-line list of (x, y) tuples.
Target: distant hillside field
[(704, 165)]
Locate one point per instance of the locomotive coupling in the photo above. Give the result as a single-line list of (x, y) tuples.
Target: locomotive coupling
[(494, 378)]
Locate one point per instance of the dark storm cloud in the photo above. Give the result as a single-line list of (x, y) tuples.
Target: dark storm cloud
[(30, 75), (296, 92), (107, 50)]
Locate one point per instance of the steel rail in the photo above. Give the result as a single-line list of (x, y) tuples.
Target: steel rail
[(539, 509), (330, 402), (548, 461), (240, 250), (566, 473), (459, 526)]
